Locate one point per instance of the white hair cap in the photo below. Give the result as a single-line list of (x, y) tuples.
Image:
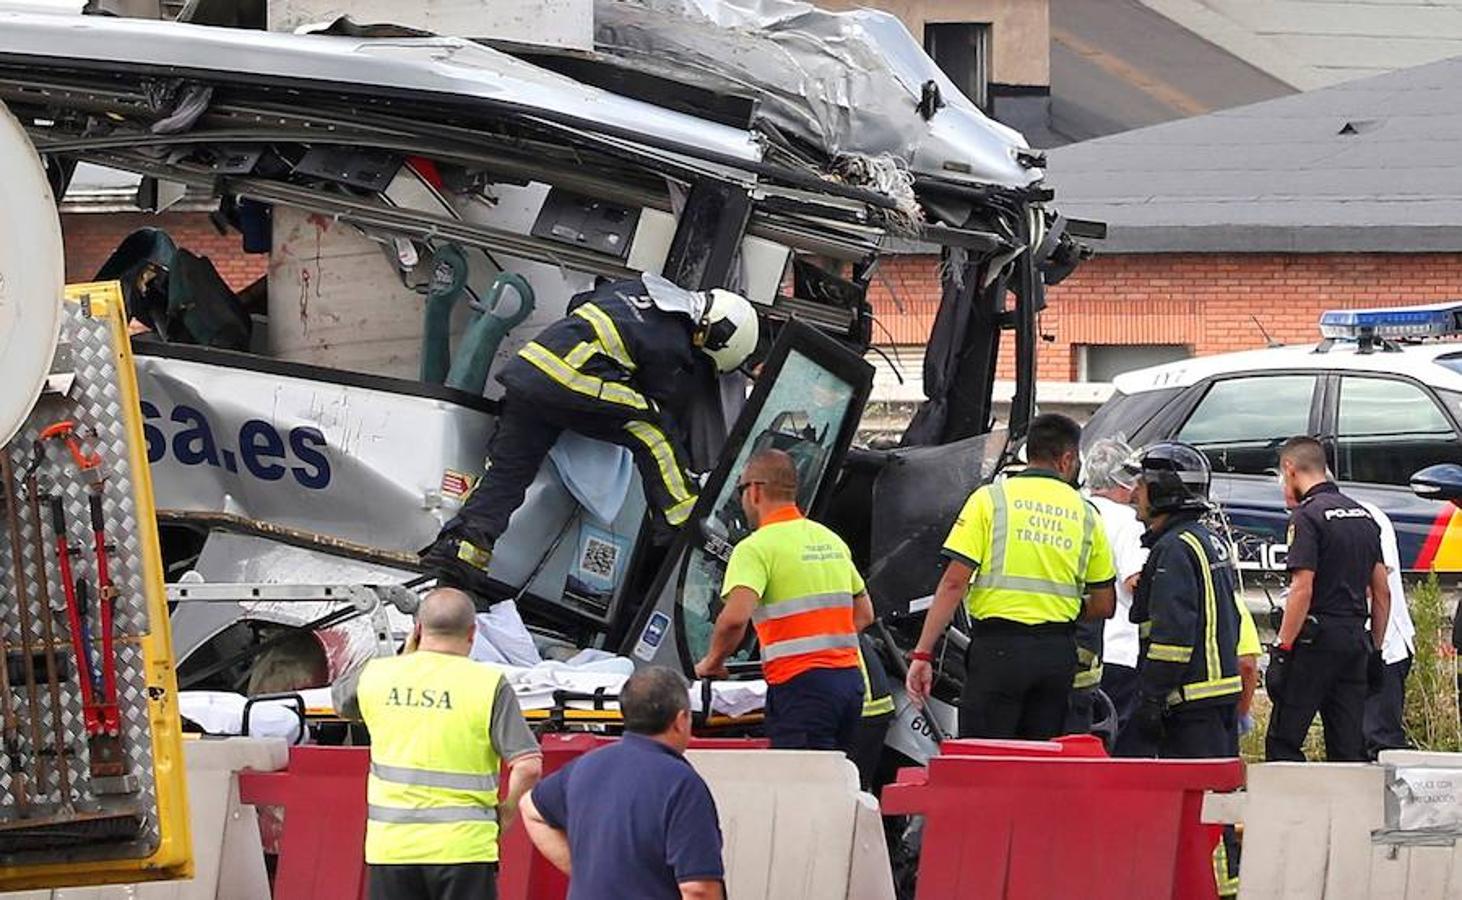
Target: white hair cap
[(1105, 464)]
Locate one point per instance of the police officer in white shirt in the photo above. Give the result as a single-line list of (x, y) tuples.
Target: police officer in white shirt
[(1386, 678), (1109, 486)]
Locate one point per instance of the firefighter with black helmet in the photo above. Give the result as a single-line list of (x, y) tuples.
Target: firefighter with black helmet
[(1188, 619), (1188, 676)]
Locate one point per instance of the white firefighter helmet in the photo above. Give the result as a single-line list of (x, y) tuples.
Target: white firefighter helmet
[(729, 330)]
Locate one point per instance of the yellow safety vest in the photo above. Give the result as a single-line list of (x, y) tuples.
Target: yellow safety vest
[(806, 581), (1035, 544), (432, 794)]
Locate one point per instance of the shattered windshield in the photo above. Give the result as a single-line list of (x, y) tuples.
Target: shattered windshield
[(803, 415)]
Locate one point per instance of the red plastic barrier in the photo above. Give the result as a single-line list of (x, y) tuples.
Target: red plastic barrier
[(322, 851), (1038, 821), (523, 873), (323, 793)]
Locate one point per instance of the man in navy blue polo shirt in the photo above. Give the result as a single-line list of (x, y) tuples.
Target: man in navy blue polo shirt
[(633, 819)]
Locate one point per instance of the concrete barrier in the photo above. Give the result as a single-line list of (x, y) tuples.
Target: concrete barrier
[(1314, 830), (228, 856), (795, 825)]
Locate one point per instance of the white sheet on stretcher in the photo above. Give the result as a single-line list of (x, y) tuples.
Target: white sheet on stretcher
[(590, 671), (535, 686)]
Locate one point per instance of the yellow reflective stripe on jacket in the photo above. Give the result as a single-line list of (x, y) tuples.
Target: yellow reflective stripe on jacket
[(1228, 885), (608, 334), (1206, 690), (582, 353), (681, 511), (1089, 669), (566, 375), (1210, 608), (872, 706), (1087, 678), (1169, 653), (670, 475)]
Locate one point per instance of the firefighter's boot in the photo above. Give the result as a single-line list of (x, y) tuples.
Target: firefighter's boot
[(459, 563)]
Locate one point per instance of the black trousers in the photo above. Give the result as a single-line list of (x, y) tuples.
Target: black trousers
[(868, 748), (527, 431), (463, 881), (1328, 677), (1385, 710), (1119, 683), (1017, 683), (1204, 732), (817, 710)]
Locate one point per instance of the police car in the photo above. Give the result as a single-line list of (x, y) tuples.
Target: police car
[(1382, 390)]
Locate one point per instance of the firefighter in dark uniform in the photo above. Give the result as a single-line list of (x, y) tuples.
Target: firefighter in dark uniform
[(1188, 669), (1320, 661), (611, 370), (1081, 715), (1188, 682), (877, 713)]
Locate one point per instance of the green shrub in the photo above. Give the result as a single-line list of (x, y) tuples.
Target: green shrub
[(1431, 691)]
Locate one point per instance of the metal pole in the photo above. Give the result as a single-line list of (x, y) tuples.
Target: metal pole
[(22, 604)]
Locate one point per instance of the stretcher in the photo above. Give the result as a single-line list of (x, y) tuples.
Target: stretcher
[(553, 697)]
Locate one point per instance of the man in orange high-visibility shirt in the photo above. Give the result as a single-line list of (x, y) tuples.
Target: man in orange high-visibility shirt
[(796, 581)]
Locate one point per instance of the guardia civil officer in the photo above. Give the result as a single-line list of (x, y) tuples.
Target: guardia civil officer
[(613, 369), (1320, 661), (1022, 554), (441, 727)]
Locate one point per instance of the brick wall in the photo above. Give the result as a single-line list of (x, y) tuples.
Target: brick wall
[(1205, 301), (91, 238)]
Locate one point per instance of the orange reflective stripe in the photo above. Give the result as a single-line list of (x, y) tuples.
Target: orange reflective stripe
[(828, 635), (812, 623)]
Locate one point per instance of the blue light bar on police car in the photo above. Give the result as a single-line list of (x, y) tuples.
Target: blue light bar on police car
[(1396, 323)]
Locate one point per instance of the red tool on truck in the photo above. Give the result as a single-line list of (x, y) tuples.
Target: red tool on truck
[(100, 713)]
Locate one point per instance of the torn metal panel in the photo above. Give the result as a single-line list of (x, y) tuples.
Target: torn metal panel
[(445, 69), (842, 83)]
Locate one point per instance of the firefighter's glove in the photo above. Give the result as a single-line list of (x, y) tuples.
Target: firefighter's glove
[(1149, 719), (1275, 675)]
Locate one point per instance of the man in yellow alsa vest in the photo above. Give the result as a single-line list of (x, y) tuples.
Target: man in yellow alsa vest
[(442, 726)]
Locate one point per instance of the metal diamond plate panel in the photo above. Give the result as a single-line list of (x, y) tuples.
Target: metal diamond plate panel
[(94, 405)]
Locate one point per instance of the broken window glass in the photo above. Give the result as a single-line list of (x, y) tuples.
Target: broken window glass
[(805, 412)]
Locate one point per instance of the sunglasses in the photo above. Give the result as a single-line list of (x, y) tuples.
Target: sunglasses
[(742, 486)]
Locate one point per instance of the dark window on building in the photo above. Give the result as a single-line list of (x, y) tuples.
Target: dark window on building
[(1240, 423), (962, 51), (1104, 362), (1386, 430)]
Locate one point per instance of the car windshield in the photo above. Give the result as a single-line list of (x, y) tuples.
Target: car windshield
[(1125, 414)]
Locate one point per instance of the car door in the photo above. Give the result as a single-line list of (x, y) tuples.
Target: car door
[(1379, 430), (1239, 421)]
